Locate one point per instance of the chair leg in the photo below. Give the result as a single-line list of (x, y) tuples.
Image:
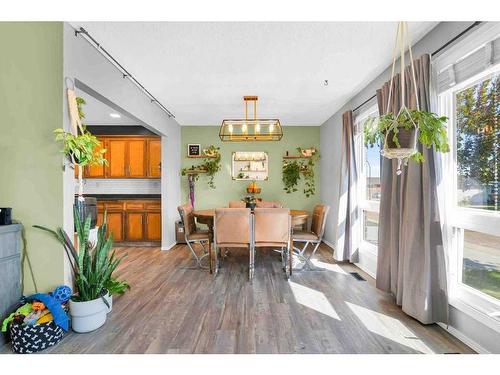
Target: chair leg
[(196, 257), (251, 264), (308, 265)]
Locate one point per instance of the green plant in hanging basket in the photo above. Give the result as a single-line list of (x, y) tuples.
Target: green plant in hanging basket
[(393, 132), (399, 133)]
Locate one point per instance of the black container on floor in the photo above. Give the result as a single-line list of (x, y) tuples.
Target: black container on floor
[(5, 216), (86, 208)]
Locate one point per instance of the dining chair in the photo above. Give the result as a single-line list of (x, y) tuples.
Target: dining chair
[(237, 204), (272, 228), (194, 235), (232, 228), (267, 204), (312, 237)]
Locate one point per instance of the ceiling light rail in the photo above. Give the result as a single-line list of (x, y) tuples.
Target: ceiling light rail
[(126, 74)]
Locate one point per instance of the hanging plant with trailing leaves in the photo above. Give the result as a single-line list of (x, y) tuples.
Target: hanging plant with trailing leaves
[(294, 171)]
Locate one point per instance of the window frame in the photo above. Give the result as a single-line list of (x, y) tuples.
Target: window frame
[(364, 204), (466, 298)]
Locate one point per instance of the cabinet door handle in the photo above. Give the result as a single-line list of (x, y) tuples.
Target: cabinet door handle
[(159, 166)]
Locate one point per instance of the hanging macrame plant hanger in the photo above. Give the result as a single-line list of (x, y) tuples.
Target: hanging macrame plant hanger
[(402, 154)]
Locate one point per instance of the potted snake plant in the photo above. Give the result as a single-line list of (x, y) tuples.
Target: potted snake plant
[(93, 269)]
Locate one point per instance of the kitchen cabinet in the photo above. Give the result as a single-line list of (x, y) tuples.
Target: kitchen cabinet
[(132, 220), (154, 158), (117, 167), (115, 223), (128, 157), (153, 226)]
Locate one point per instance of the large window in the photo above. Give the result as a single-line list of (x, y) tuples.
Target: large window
[(369, 182), (472, 175)]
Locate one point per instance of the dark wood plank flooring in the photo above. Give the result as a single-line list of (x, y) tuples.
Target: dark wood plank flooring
[(171, 309)]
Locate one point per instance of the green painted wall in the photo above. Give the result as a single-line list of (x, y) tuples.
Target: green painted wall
[(31, 103), (226, 188)]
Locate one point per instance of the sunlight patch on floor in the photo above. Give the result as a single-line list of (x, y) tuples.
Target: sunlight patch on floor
[(313, 299), (388, 327), (328, 266)]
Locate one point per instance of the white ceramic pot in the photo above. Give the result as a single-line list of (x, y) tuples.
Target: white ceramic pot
[(87, 316), (109, 298)]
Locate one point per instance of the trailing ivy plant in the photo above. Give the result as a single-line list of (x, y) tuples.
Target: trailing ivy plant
[(211, 165), (294, 170), (431, 130)]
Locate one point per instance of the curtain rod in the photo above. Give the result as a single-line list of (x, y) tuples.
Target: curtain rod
[(475, 24), (124, 71)]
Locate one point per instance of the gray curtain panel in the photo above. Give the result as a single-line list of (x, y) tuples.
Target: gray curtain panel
[(411, 259), (348, 210)]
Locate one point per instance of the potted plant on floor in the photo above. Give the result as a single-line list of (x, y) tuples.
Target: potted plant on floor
[(93, 271), (114, 287)]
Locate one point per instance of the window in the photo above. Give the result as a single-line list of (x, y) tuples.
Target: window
[(369, 183), (472, 173), (478, 144)]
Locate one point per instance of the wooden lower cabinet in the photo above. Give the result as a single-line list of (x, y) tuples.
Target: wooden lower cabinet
[(115, 224), (132, 220), (153, 226), (134, 225)]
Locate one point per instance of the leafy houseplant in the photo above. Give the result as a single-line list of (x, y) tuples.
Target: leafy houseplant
[(93, 271), (293, 171), (211, 165), (392, 132), (82, 149)]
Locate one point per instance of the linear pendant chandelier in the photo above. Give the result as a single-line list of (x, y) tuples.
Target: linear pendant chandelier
[(250, 130)]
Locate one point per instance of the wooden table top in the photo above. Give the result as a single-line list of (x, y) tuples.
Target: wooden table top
[(210, 213)]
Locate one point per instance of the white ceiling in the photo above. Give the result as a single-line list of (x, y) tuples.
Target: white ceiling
[(98, 113), (201, 70)]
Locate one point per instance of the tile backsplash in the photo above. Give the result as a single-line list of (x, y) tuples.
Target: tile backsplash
[(120, 186)]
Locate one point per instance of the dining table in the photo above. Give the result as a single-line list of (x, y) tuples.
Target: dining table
[(298, 218)]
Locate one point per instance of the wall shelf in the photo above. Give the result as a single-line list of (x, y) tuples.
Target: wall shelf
[(296, 157), (196, 171), (201, 157)]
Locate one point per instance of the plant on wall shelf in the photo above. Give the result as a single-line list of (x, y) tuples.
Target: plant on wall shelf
[(211, 165), (294, 170), (82, 149)]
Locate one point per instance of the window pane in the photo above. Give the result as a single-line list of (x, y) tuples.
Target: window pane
[(372, 168), (481, 262), (478, 145), (370, 227)]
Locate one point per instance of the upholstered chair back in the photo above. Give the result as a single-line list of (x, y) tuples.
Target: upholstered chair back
[(266, 204), (232, 227), (271, 227), (187, 218), (319, 219), (237, 204)]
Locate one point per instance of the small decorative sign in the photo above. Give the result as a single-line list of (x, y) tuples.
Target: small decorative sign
[(194, 149)]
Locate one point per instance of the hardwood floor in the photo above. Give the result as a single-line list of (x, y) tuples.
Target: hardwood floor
[(171, 309)]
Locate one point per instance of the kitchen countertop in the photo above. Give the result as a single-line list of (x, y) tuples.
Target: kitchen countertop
[(124, 196)]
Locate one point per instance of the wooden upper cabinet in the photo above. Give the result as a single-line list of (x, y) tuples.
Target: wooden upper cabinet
[(154, 158), (128, 157), (136, 158), (117, 156), (97, 171)]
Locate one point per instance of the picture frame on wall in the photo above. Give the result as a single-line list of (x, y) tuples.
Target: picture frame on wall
[(194, 149)]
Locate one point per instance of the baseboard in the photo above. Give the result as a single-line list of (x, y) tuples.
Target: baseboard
[(365, 269), (329, 244), (169, 247), (467, 341)]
